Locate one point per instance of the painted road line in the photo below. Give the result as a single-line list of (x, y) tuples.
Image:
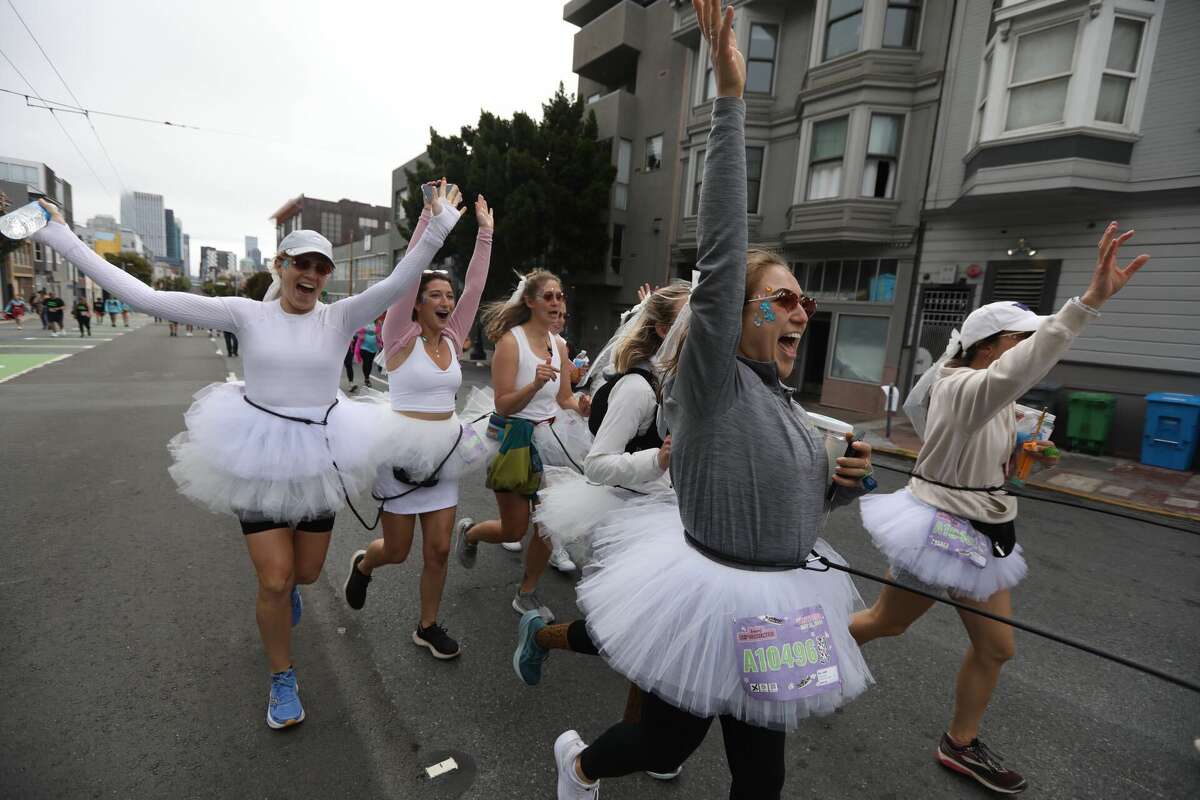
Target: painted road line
[(16, 365), (49, 344)]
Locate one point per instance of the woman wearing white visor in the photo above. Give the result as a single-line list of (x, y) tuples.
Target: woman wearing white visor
[(952, 528), (283, 450)]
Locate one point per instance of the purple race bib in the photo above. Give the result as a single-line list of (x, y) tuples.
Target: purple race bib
[(786, 658), (956, 536)]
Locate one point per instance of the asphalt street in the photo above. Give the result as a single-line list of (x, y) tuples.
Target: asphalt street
[(131, 667)]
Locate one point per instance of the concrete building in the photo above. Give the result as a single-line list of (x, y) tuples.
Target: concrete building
[(185, 252), (253, 253), (339, 222), (50, 270), (1060, 117), (399, 197), (143, 212), (214, 263), (372, 262), (173, 231), (16, 267)]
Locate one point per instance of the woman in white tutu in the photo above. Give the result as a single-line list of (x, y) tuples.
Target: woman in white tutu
[(427, 447), (282, 450), (952, 529), (707, 606), (530, 397)]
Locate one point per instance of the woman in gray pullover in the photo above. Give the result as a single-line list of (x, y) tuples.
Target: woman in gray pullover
[(706, 606)]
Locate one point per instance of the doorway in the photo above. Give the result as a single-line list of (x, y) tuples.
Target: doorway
[(813, 357)]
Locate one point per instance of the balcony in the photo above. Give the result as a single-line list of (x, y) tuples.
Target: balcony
[(896, 69), (607, 48), (686, 239), (581, 12), (1078, 158), (686, 30), (855, 220), (615, 114)]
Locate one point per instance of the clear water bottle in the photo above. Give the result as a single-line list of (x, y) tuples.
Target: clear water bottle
[(581, 359), (24, 222)]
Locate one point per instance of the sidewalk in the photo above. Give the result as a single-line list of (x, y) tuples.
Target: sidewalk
[(1102, 479)]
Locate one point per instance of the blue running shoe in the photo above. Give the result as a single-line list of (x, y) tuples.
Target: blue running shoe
[(529, 655), (297, 606), (284, 708)]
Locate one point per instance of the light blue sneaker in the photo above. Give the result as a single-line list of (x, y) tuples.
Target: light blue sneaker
[(297, 606), (529, 655), (284, 707)]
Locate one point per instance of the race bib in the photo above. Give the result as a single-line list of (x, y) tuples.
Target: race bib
[(786, 658), (955, 535)]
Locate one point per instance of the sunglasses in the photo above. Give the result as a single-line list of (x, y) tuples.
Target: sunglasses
[(303, 264), (788, 300), (553, 297), (1020, 336)]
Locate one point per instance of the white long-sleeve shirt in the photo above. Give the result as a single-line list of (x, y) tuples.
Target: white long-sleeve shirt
[(290, 360), (632, 410), (972, 425)]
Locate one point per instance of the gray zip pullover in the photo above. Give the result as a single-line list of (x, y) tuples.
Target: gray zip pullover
[(750, 471)]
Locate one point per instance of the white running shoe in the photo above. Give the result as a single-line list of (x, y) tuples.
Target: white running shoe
[(566, 749), (666, 776), (561, 561), (512, 547)]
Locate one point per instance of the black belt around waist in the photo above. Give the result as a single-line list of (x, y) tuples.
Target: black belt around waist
[(749, 564)]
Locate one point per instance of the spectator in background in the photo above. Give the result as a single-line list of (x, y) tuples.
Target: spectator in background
[(83, 315), (231, 344), (98, 309), (38, 304), (112, 307), (15, 310), (366, 345), (54, 305), (125, 314)]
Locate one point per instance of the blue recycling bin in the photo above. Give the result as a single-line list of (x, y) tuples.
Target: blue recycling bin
[(1172, 424)]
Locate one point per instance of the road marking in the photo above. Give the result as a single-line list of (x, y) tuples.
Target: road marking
[(48, 345), (10, 363)]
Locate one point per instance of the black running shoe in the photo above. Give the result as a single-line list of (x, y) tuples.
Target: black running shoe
[(437, 640), (976, 761), (356, 583)]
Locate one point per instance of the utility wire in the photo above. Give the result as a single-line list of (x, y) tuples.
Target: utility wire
[(66, 133), (63, 80)]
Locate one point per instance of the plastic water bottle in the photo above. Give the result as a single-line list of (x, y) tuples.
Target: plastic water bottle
[(582, 360), (24, 222)]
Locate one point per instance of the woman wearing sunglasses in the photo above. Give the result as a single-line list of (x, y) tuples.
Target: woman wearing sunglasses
[(428, 448), (707, 607), (281, 450), (530, 395), (952, 529)]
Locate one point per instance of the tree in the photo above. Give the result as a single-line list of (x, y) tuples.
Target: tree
[(213, 289), (256, 285), (173, 284), (547, 182), (132, 263)]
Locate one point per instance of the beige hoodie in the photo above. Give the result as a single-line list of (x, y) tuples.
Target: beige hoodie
[(972, 425)]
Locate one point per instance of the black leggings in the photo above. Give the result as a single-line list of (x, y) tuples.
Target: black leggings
[(368, 358), (348, 363), (666, 736), (85, 323)]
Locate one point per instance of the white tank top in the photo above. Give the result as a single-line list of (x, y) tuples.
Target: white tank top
[(544, 404), (418, 384)]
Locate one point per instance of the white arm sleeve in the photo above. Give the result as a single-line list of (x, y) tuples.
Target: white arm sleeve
[(191, 309), (352, 313), (630, 404)]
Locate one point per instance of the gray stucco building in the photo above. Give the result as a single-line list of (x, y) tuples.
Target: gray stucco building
[(1059, 117)]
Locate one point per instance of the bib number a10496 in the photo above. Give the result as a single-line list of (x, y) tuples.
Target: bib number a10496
[(788, 657)]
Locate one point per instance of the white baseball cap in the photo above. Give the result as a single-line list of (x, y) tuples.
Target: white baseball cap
[(304, 241), (1006, 315)]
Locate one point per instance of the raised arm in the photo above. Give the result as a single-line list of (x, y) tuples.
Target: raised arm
[(352, 313), (398, 326), (463, 316), (192, 309)]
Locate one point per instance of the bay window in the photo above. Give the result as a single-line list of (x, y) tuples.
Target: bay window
[(760, 64), (883, 152), (843, 29), (1120, 70), (1041, 75), (900, 23), (826, 159)]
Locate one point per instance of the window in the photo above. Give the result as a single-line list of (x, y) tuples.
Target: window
[(760, 66), (859, 349), (1041, 74), (697, 181), (368, 223), (754, 165), (1120, 70), (981, 105), (883, 150), (900, 23), (869, 280), (624, 163), (331, 226), (844, 28), (825, 159), (654, 152), (618, 241)]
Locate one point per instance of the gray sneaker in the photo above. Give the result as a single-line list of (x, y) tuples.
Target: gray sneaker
[(531, 601), (465, 550)]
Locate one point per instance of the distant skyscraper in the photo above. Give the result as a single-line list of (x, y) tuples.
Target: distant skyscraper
[(143, 212), (171, 231), (252, 251), (185, 251)]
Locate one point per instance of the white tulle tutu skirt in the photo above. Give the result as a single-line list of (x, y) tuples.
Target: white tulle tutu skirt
[(661, 614), (899, 525), (236, 459), (570, 507), (562, 443)]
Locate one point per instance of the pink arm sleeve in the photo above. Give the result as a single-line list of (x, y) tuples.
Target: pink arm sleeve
[(468, 305), (398, 325)]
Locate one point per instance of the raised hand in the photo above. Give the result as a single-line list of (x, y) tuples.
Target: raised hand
[(729, 66), (483, 214), (454, 196), (55, 214), (1108, 279), (428, 203), (644, 291)]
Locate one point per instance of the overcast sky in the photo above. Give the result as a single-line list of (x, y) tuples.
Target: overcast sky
[(337, 92)]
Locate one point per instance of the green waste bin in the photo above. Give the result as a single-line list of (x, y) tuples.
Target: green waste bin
[(1089, 421)]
